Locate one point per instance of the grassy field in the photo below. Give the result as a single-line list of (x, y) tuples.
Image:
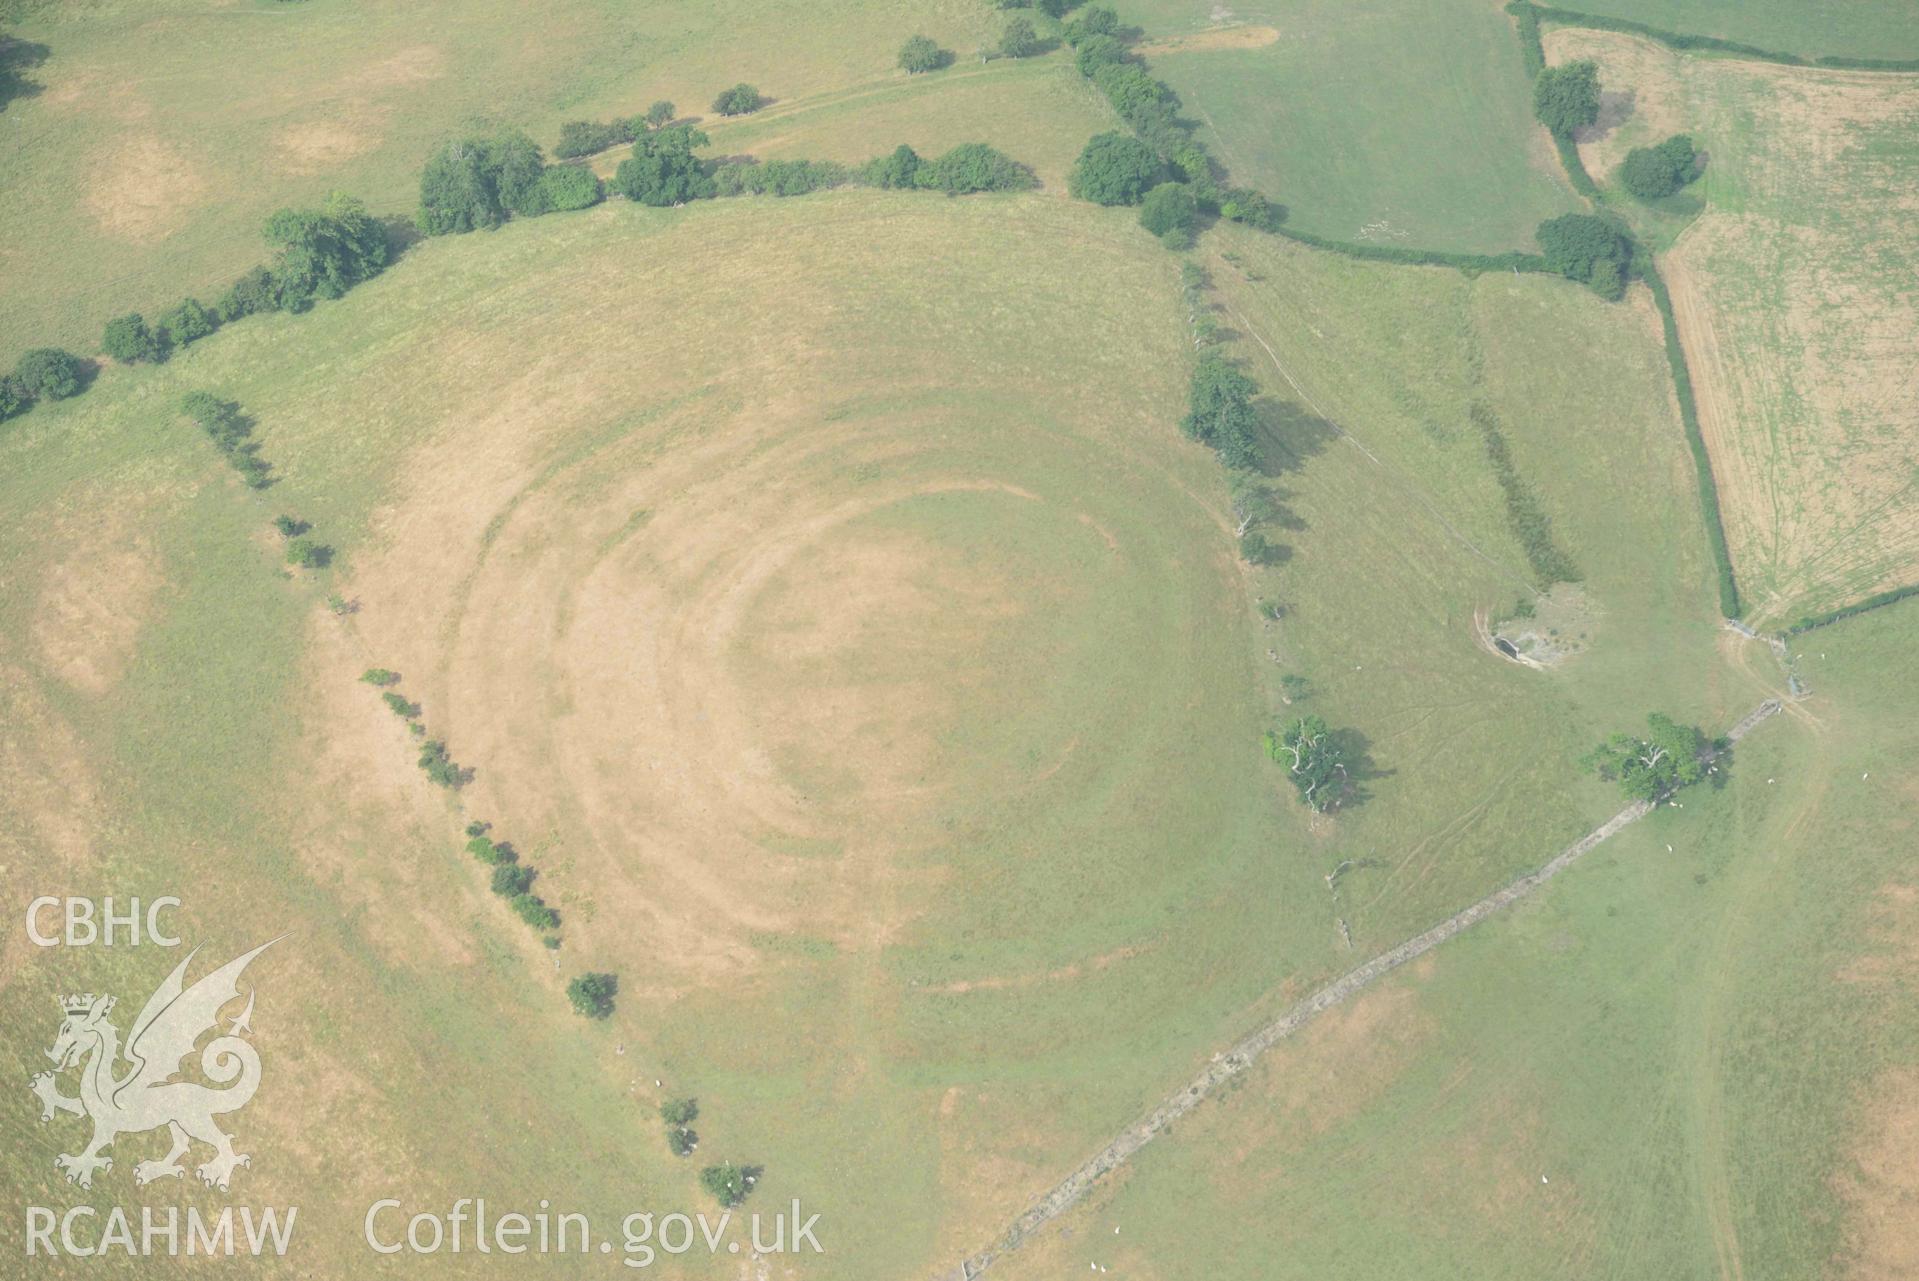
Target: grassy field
[(1685, 1063), (139, 168), (1378, 122), (1835, 28), (724, 618), (1790, 287)]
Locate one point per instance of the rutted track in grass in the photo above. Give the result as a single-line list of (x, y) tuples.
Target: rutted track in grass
[(1242, 1055)]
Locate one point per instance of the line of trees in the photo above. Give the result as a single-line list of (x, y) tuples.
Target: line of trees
[(1162, 166), (512, 879), (231, 432), (584, 137)]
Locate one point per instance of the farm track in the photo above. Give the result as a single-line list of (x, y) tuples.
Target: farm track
[(1235, 1061)]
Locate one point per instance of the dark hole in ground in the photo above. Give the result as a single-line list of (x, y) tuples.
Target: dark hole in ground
[(1505, 647)]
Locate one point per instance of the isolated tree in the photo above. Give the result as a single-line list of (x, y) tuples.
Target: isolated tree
[(289, 526), (48, 373), (729, 1183), (1169, 208), (1566, 97), (660, 114), (1588, 249), (186, 321), (1669, 757), (742, 99), (1313, 760), (919, 54), (681, 1140), (680, 1111), (1652, 172), (380, 678), (1220, 411), (1114, 169), (592, 994), (663, 170), (1019, 40)]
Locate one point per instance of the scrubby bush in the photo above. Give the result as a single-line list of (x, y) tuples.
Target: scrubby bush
[(1019, 40), (381, 677), (1588, 249), (777, 177), (592, 994), (1095, 52), (1169, 208), (129, 340), (532, 909), (48, 373), (478, 828), (663, 170), (251, 294), (510, 879), (680, 1111), (1244, 204), (1114, 170), (900, 168), (15, 399), (681, 1140), (1566, 97), (973, 167), (584, 137), (308, 554), (439, 766), (187, 321), (399, 705), (1095, 20), (1653, 172), (290, 526), (742, 99), (1220, 411), (729, 1183), (660, 114), (563, 188), (919, 54)]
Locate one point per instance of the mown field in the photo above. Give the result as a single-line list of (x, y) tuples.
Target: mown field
[(1684, 1062), (1837, 28), (1379, 122), (155, 138), (1791, 291)]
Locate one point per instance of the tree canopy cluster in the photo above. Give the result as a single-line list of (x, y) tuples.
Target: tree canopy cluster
[(1670, 756), (1589, 249), (584, 137), (1566, 97), (592, 995), (477, 183), (1653, 172), (1220, 411), (45, 373), (1114, 169), (663, 170)]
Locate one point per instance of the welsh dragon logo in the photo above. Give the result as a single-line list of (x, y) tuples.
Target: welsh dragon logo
[(144, 1096)]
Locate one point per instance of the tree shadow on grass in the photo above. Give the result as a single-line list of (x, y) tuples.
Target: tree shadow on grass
[(1356, 750), (1289, 435), (17, 56)]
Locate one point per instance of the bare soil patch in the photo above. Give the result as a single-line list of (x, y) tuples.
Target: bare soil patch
[(1248, 37), (1881, 1187), (144, 189)]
